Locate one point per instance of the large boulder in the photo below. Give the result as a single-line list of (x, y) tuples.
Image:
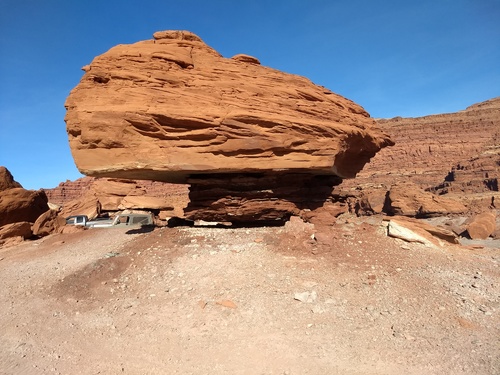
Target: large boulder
[(482, 226), (168, 108), (18, 204), (18, 208), (14, 233), (20, 229), (7, 180), (414, 230), (87, 204), (407, 199), (173, 109), (47, 223)]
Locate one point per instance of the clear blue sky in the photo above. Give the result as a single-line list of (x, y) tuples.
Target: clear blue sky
[(393, 57)]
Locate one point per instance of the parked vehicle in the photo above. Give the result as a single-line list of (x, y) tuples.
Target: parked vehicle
[(120, 220), (77, 220)]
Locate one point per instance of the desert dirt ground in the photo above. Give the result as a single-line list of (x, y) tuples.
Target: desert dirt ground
[(297, 299)]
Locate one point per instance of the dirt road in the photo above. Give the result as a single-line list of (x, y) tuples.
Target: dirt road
[(346, 300)]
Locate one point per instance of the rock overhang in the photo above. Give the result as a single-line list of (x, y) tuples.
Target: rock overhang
[(173, 107)]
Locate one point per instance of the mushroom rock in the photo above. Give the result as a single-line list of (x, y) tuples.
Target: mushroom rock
[(173, 109)]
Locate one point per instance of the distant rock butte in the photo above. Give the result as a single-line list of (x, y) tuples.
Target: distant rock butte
[(170, 108)]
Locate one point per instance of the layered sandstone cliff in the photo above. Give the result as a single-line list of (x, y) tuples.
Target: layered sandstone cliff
[(92, 196), (454, 154), (118, 192), (427, 148)]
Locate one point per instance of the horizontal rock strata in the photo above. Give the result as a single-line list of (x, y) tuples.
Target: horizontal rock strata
[(428, 147), (244, 198), (454, 154), (91, 196), (172, 107)]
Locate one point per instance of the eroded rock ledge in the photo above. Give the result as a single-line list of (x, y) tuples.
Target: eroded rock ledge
[(173, 109), (247, 198)]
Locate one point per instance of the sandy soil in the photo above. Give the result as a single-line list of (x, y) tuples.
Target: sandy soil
[(248, 301)]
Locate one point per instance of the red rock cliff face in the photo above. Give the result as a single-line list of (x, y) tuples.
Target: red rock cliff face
[(428, 148), (114, 195), (68, 190), (172, 107)]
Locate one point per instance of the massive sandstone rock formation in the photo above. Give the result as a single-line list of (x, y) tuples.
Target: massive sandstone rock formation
[(172, 109)]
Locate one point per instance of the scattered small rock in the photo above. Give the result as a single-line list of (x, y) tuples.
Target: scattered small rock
[(317, 309), (227, 303), (306, 297)]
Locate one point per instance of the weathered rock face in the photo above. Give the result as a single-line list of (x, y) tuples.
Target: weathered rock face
[(242, 198), (18, 207), (116, 194), (169, 108), (456, 155), (480, 174), (14, 233), (19, 204), (88, 204), (68, 190), (428, 147), (89, 196), (47, 223)]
